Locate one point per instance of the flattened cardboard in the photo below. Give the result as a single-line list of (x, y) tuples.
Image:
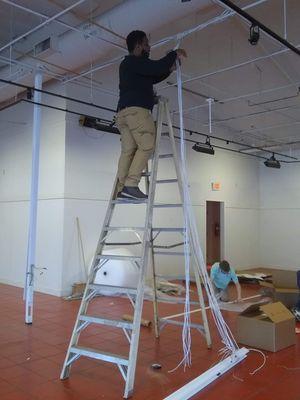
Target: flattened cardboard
[(256, 328)]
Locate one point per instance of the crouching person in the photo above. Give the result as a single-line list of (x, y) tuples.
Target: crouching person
[(221, 275)]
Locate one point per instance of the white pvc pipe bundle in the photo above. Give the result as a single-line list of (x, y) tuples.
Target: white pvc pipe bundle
[(192, 246)]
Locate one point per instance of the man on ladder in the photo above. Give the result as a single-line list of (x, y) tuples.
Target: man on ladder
[(134, 119), (139, 137)]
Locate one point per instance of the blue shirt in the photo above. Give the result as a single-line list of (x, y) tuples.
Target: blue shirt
[(221, 279)]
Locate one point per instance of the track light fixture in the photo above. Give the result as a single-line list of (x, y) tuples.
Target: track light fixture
[(254, 34), (272, 162), (204, 147)]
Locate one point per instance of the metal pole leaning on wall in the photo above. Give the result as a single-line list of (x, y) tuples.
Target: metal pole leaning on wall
[(31, 249)]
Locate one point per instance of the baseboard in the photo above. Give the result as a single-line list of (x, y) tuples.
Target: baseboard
[(39, 289)]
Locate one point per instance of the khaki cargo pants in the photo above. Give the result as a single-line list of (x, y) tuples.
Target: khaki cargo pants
[(221, 294), (138, 133)]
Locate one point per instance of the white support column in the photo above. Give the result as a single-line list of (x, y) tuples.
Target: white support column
[(33, 200)]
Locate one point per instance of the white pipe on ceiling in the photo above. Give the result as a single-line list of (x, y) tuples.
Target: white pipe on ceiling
[(220, 18), (242, 96), (73, 28), (36, 28), (77, 49)]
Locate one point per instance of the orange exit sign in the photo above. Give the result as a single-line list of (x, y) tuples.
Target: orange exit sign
[(215, 186)]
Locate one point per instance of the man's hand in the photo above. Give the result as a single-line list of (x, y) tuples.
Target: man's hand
[(181, 53), (173, 68)]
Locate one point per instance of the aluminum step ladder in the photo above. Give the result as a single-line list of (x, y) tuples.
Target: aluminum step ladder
[(127, 365)]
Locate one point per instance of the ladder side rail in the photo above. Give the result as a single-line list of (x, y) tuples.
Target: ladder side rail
[(91, 276), (144, 257)]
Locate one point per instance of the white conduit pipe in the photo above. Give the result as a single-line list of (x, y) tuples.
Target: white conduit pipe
[(207, 308), (73, 28), (41, 25), (186, 331), (192, 241), (242, 96), (215, 20)]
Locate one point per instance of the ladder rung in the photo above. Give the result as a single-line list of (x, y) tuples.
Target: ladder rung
[(129, 201), (106, 321), (167, 229), (169, 253), (167, 181), (167, 205), (146, 173), (171, 277), (166, 155), (124, 228), (94, 353), (117, 257), (113, 289), (175, 300)]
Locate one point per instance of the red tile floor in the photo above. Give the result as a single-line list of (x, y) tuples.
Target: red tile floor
[(31, 357)]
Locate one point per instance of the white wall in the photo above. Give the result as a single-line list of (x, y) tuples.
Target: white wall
[(280, 216), (77, 170), (15, 176)]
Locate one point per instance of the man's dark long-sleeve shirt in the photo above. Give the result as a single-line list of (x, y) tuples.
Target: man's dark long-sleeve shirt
[(137, 77)]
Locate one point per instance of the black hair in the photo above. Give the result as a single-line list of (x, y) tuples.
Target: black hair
[(224, 265), (134, 38)]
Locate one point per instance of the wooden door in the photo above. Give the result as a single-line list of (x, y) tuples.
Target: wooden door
[(213, 231)]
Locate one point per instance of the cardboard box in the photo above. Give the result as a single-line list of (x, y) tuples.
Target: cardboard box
[(284, 287), (284, 279), (269, 327), (289, 297)]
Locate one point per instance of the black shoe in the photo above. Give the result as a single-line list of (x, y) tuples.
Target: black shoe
[(120, 196), (133, 193)]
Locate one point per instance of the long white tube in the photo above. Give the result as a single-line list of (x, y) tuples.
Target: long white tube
[(31, 250)]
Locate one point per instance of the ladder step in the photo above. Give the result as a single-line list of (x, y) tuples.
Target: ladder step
[(98, 355), (171, 277), (146, 173), (166, 155), (167, 205), (169, 253), (129, 201), (113, 289), (124, 228), (167, 181), (175, 300), (116, 257), (106, 321), (168, 229)]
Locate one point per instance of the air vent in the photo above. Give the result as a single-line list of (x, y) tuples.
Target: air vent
[(46, 47)]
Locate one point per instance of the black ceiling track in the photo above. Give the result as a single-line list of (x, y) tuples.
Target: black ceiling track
[(264, 28)]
